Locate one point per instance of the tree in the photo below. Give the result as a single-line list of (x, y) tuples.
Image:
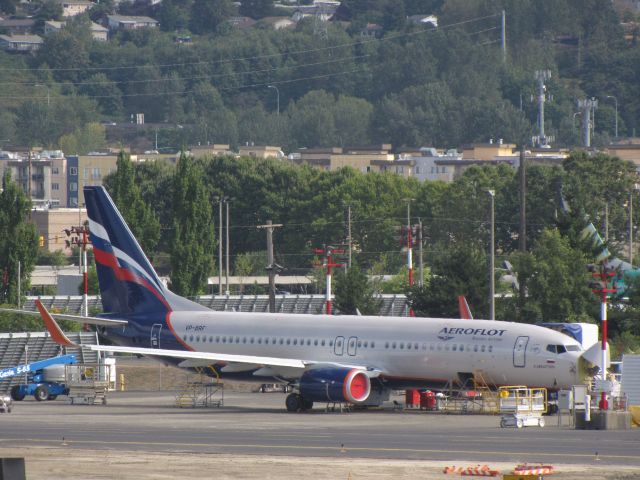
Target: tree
[(354, 293), (192, 245), (256, 9), (125, 192), (459, 270), (18, 241), (208, 15), (557, 281), (83, 140)]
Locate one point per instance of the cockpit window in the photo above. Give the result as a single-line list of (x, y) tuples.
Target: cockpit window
[(562, 348)]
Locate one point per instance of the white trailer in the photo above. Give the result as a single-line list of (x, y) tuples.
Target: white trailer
[(630, 378)]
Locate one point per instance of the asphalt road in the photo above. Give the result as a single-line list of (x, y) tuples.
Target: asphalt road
[(256, 424)]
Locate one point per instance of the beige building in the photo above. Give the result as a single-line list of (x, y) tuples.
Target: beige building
[(375, 158), (627, 151), (48, 174), (488, 151), (52, 222), (260, 151), (212, 150), (92, 169)]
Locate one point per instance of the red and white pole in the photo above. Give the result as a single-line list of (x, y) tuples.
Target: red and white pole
[(410, 255), (604, 405), (328, 289), (85, 273)]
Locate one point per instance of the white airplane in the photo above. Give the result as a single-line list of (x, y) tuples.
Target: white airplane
[(353, 359)]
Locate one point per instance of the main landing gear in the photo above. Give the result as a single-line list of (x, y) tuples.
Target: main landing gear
[(297, 403)]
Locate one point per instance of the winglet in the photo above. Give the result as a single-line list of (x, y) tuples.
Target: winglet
[(56, 332), (465, 311)]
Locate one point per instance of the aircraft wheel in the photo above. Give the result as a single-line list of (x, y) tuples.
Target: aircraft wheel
[(16, 393), (293, 402), (503, 423), (41, 394), (306, 404), (519, 423), (541, 422)]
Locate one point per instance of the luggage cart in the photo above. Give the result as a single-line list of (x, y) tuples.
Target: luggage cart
[(522, 406)]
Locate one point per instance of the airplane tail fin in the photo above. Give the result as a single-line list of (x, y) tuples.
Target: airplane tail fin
[(128, 283), (465, 311)]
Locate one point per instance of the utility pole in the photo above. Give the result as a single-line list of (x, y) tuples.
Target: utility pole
[(220, 247), (586, 107), (19, 282), (220, 199), (492, 277), (272, 268), (541, 76), (81, 239), (227, 252), (409, 243), (420, 259), (522, 174), (349, 241), (503, 36)]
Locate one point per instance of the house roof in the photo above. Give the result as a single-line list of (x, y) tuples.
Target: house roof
[(131, 19), (21, 38), (17, 22)]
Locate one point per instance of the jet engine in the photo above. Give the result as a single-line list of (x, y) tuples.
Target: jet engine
[(350, 385)]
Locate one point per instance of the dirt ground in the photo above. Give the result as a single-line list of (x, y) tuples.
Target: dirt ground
[(72, 464)]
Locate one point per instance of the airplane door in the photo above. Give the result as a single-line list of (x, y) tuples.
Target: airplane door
[(352, 345), (155, 335), (338, 346), (519, 351)]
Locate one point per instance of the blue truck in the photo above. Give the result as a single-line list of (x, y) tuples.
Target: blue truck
[(44, 378)]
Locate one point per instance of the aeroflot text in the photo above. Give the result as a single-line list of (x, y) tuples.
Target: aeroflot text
[(472, 331)]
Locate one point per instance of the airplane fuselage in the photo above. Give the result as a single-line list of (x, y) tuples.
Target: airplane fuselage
[(411, 351)]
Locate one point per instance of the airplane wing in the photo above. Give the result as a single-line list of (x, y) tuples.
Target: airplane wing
[(106, 322), (270, 365)]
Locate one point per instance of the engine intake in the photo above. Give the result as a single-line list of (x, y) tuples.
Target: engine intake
[(350, 385)]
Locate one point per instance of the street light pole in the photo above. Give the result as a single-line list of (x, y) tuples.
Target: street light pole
[(220, 200), (492, 288), (277, 97), (227, 252), (616, 104)]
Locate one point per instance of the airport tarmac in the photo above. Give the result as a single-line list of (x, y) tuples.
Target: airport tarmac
[(143, 435)]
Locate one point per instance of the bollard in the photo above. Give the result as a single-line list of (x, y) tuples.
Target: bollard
[(12, 469), (122, 383)]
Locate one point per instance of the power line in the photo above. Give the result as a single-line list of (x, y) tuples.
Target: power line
[(256, 57), (201, 77)]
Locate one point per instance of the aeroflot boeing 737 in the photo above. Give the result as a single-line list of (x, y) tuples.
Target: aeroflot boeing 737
[(354, 359)]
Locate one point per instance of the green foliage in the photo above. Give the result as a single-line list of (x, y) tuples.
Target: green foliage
[(191, 256), (208, 15), (460, 269), (354, 293), (126, 194), (88, 138), (256, 8), (556, 280), (56, 259), (18, 241)]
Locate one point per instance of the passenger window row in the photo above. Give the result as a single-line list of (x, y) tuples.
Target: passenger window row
[(454, 347), (412, 346), (224, 339)]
